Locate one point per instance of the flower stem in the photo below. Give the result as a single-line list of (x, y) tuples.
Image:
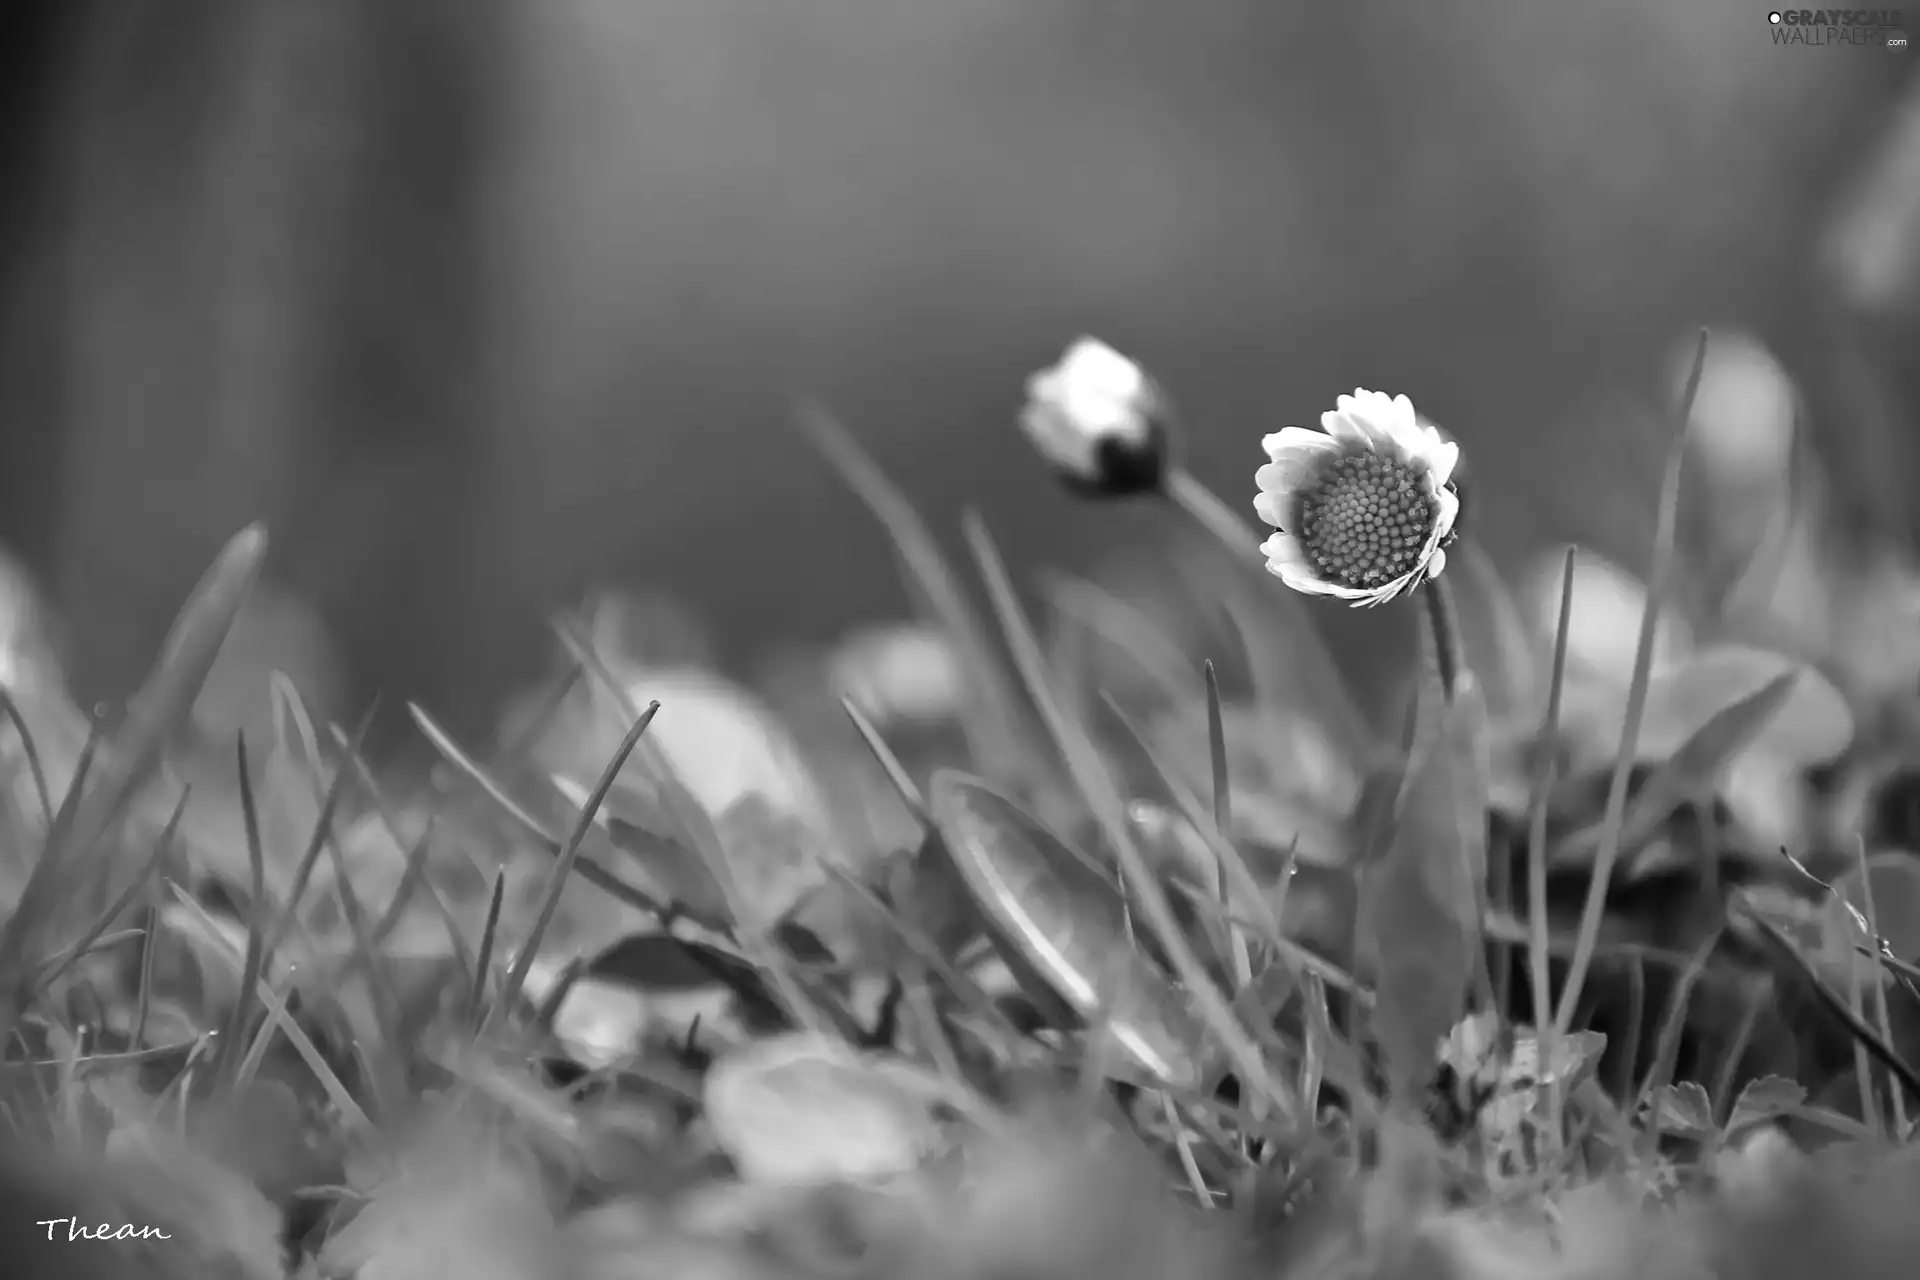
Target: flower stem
[(1211, 514), (1444, 618)]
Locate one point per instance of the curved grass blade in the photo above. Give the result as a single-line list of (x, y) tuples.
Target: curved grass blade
[(562, 869), (227, 1057), (489, 940), (31, 750), (1064, 924), (1108, 810), (590, 871), (1660, 570), (161, 849), (889, 762), (1840, 1008), (165, 699), (992, 718)]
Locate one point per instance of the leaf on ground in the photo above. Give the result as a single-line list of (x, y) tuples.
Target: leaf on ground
[(1693, 769), (479, 1216), (1418, 925), (1813, 725), (804, 1108), (666, 969), (1603, 633), (1765, 1100), (1683, 1110)]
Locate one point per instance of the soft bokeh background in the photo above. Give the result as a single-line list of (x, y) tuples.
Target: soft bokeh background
[(480, 302)]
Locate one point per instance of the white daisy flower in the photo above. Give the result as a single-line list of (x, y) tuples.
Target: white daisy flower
[(1364, 507), (1100, 421)]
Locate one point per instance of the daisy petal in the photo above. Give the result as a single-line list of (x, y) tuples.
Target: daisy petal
[(1283, 549), (1441, 460), (1290, 439), (1293, 472), (1349, 429), (1267, 505), (1443, 521)]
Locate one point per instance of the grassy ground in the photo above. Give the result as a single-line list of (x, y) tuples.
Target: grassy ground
[(1115, 944)]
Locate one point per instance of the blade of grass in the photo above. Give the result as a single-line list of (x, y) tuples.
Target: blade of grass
[(465, 764), (168, 695), (276, 1011), (697, 828), (1545, 1018), (1841, 1009), (143, 996), (413, 874), (227, 1059), (1862, 1063), (1666, 1049), (45, 883), (1292, 669), (161, 849), (35, 768), (1099, 613), (889, 763), (489, 940), (318, 841), (1881, 1014), (957, 980), (588, 869), (991, 718), (1694, 766), (1226, 857), (569, 854), (1242, 958), (390, 824), (1108, 812), (1659, 572)]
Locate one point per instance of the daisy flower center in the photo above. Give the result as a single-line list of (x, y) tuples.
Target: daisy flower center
[(1366, 519)]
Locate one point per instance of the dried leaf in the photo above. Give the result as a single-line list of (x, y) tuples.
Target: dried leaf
[(802, 1108)]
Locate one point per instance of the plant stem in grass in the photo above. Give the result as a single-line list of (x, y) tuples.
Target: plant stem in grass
[(1444, 617)]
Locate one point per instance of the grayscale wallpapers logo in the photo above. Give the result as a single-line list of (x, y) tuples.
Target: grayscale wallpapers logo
[(1866, 28)]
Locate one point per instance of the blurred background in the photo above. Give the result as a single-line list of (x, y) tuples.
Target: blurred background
[(479, 303)]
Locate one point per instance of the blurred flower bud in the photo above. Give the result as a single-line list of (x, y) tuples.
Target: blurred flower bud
[(1604, 629), (899, 672), (1099, 421), (1743, 417)]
